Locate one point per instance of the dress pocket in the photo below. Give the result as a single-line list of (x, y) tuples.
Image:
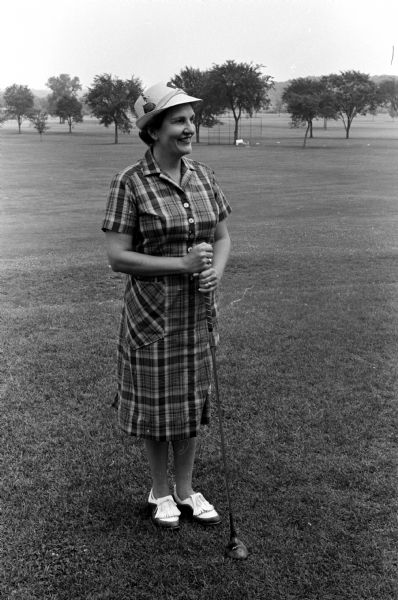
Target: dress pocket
[(143, 312)]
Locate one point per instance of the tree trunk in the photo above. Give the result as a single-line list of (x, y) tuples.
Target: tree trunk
[(236, 129), (19, 119), (306, 133), (310, 127), (116, 134), (197, 129), (236, 111), (350, 117)]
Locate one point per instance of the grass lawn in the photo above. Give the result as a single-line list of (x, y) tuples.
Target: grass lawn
[(307, 369)]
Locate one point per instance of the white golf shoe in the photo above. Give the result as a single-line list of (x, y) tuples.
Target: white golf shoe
[(198, 508), (164, 511)]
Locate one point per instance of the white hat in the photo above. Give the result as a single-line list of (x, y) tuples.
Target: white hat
[(156, 99)]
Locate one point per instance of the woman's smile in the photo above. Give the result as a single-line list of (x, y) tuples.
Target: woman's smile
[(185, 140), (175, 135)]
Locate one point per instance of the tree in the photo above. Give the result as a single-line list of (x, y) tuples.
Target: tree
[(307, 99), (196, 83), (387, 93), (19, 102), (62, 86), (3, 114), (111, 100), (239, 87), (351, 93), (69, 109), (39, 120), (41, 103), (303, 98), (278, 104)]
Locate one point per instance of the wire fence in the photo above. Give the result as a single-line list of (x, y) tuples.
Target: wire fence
[(253, 130), (250, 129)]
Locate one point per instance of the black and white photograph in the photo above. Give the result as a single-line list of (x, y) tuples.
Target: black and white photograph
[(199, 300)]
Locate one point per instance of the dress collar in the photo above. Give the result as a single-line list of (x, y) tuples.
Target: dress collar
[(151, 167)]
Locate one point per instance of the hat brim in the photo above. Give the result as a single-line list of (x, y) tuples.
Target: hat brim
[(143, 121)]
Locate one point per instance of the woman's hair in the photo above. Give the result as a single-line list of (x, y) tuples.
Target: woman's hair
[(153, 124)]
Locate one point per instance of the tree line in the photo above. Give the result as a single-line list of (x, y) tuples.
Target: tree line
[(343, 96), (241, 88)]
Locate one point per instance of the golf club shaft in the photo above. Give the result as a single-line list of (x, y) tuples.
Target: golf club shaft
[(209, 318)]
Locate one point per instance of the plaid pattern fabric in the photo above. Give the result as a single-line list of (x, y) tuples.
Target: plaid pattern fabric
[(164, 360)]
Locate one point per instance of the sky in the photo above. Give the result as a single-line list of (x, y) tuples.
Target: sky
[(154, 39)]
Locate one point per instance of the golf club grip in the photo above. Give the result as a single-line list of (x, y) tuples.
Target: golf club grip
[(209, 315)]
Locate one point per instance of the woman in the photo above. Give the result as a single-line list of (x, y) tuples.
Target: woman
[(165, 229)]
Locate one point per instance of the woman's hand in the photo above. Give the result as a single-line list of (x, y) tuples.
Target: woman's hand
[(199, 258), (208, 280), (210, 277)]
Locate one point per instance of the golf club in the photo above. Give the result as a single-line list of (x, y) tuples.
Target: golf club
[(235, 548)]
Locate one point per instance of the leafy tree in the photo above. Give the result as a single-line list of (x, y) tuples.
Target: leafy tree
[(278, 104), (351, 93), (3, 114), (387, 93), (303, 98), (19, 102), (62, 86), (196, 83), (41, 104), (69, 109), (112, 99), (39, 120), (239, 87)]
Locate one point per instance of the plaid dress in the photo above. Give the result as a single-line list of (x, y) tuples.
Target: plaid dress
[(164, 359)]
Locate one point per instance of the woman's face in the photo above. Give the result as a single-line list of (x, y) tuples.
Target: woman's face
[(174, 136)]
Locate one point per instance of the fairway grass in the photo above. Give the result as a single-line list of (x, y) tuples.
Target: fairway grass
[(307, 367)]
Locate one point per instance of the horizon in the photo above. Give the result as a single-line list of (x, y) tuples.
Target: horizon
[(42, 92)]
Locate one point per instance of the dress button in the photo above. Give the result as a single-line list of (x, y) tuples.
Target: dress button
[(189, 248), (186, 204), (191, 220)]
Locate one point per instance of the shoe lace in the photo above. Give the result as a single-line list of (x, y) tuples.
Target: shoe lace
[(201, 505), (166, 509)]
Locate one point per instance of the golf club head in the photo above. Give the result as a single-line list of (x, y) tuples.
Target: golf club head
[(236, 549)]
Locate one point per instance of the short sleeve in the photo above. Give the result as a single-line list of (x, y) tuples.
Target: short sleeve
[(223, 205), (120, 212)]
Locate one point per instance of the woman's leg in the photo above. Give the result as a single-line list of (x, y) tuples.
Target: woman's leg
[(184, 457), (157, 453)]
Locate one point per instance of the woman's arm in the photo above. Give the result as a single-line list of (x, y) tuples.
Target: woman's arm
[(124, 260), (221, 249)]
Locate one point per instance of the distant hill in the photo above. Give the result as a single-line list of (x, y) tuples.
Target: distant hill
[(41, 93), (275, 95), (380, 78)]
